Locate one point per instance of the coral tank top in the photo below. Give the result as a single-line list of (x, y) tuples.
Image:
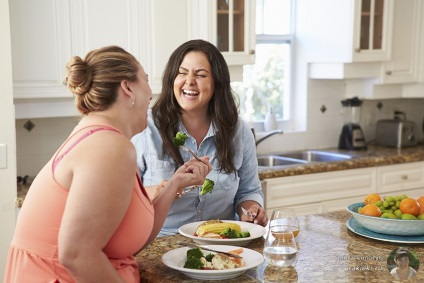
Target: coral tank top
[(33, 254)]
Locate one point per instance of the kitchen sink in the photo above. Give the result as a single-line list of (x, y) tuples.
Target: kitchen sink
[(274, 160), (317, 156), (290, 159)]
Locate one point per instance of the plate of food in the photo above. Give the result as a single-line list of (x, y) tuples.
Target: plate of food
[(222, 232), (205, 265)]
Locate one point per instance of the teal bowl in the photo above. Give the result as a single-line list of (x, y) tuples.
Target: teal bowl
[(397, 227)]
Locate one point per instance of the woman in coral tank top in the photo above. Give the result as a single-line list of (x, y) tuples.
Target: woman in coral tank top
[(87, 213)]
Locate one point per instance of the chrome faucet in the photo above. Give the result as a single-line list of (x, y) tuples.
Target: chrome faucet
[(280, 132)]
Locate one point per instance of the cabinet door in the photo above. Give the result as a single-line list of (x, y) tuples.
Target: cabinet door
[(403, 64), (229, 24), (41, 46), (315, 188), (346, 31), (372, 30), (400, 177)]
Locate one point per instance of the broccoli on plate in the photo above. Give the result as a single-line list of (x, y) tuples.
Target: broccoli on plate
[(233, 233), (193, 258), (193, 263), (196, 252)]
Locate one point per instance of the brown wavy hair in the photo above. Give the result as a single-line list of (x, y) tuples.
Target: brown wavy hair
[(223, 108), (94, 81)]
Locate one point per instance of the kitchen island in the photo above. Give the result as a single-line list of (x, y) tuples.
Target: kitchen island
[(328, 252)]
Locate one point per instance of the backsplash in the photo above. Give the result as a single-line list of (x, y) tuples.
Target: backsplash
[(35, 147)]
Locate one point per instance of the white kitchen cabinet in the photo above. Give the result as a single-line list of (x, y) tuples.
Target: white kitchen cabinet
[(41, 44), (400, 177), (307, 193), (47, 33), (229, 24), (348, 31), (332, 191), (403, 64)]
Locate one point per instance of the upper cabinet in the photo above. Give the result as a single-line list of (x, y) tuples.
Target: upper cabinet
[(374, 45), (41, 44), (348, 31), (403, 64), (229, 24), (235, 30), (372, 30), (47, 33)]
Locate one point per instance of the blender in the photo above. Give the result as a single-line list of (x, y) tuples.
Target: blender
[(352, 136)]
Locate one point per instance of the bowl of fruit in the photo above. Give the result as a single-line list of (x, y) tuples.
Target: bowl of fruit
[(393, 215)]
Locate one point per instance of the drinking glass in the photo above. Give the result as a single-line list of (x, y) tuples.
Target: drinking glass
[(280, 247), (285, 217)]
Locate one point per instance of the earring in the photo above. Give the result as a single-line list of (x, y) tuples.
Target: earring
[(132, 102)]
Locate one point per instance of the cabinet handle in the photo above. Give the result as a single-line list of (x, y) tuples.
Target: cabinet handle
[(251, 51), (404, 177), (388, 73)]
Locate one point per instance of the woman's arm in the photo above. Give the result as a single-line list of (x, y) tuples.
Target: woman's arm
[(191, 173), (249, 194)]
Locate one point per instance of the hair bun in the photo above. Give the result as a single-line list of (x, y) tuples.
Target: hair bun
[(79, 78)]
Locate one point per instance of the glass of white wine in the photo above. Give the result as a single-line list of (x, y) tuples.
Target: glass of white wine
[(285, 217)]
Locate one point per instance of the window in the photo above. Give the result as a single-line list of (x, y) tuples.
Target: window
[(267, 82)]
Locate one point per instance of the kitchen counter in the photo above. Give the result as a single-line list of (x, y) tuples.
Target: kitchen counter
[(328, 252), (373, 156)]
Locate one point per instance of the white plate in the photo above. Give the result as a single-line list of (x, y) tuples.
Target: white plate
[(256, 231), (176, 258)]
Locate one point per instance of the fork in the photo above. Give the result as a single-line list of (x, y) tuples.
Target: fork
[(245, 212), (186, 190), (192, 152)]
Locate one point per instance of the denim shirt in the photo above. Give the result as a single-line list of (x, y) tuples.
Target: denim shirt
[(229, 189)]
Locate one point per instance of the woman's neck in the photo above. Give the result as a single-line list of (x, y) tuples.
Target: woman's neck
[(105, 118), (196, 125)]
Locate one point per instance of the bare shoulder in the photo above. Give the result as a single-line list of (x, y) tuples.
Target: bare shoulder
[(107, 148)]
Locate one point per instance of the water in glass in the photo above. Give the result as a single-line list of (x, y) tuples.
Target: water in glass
[(280, 246)]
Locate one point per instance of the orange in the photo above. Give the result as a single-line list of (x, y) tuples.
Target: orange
[(371, 210), (410, 206), (371, 198), (420, 200)]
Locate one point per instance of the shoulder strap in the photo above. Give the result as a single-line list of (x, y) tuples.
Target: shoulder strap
[(60, 157)]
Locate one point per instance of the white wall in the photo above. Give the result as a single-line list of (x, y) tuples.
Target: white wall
[(7, 136)]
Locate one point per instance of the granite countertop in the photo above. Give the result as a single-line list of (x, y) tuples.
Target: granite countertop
[(373, 156), (328, 252)]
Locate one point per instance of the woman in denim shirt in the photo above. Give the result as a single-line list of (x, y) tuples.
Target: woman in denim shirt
[(197, 100)]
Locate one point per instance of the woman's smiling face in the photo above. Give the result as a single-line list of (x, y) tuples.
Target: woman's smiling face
[(193, 86)]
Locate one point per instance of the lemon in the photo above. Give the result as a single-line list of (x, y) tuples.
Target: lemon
[(408, 216), (388, 215)]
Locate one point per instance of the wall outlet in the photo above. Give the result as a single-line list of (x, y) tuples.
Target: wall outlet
[(3, 156)]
